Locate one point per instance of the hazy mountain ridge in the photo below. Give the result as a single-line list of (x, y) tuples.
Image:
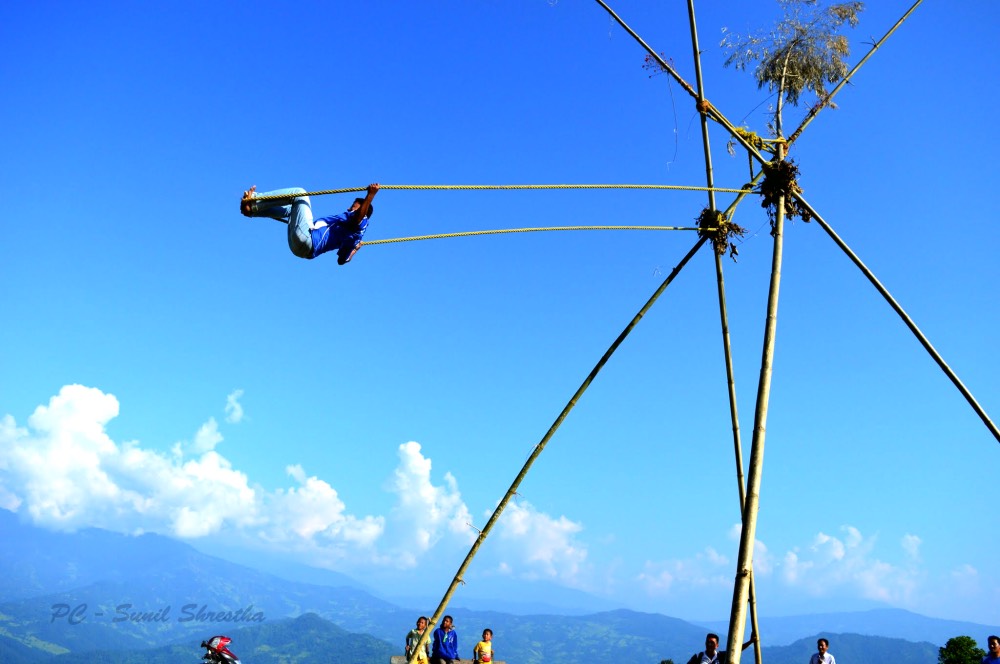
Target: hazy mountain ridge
[(178, 594), (891, 623), (304, 640)]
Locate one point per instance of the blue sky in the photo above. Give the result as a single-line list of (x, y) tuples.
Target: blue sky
[(168, 366)]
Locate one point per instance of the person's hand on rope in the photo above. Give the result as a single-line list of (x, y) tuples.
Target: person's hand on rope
[(365, 206), (245, 204)]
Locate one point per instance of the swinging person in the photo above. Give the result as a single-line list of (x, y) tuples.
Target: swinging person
[(308, 238)]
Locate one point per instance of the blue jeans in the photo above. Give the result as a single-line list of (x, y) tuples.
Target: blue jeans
[(297, 213)]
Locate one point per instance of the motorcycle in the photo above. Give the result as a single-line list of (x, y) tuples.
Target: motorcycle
[(217, 651)]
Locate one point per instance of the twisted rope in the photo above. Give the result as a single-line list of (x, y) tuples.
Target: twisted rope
[(481, 187), (535, 230)]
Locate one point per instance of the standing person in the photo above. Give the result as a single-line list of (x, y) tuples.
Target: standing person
[(993, 644), (445, 648), (308, 238), (711, 654), (822, 656), (483, 652), (413, 638)]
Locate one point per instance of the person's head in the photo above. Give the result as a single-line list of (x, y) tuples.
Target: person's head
[(711, 643), (822, 645), (993, 643), (487, 634), (357, 204), (446, 623), (421, 623)]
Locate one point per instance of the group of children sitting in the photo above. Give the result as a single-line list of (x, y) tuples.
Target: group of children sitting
[(442, 647)]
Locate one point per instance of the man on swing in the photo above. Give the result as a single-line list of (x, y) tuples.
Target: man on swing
[(308, 238)]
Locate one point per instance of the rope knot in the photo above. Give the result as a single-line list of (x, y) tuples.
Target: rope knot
[(703, 106), (750, 137), (716, 226)]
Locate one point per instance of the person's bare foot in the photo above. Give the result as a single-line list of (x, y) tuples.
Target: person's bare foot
[(246, 205)]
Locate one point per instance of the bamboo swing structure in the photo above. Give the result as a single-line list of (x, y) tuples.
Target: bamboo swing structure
[(788, 197)]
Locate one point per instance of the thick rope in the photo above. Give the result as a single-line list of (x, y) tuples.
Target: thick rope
[(481, 187), (534, 230)]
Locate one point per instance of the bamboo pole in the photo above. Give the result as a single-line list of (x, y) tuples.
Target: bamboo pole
[(748, 532), (656, 56), (723, 314), (548, 436), (823, 103), (906, 319), (711, 110)]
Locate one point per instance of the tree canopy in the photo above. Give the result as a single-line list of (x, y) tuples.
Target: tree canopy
[(961, 650), (803, 51)]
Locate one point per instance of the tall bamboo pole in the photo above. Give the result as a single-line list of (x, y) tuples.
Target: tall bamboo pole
[(545, 439), (906, 319), (723, 315), (825, 101), (713, 112), (748, 532)]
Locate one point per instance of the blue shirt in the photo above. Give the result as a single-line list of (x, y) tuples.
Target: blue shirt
[(342, 233), (445, 644)]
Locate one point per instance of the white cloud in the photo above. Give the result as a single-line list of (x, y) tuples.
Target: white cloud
[(234, 410), (66, 473), (714, 557), (657, 578), (535, 545), (706, 568), (207, 438), (424, 512), (832, 565), (828, 548), (314, 512)]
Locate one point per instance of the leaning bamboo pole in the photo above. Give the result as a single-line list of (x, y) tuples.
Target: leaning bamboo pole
[(883, 291), (512, 491), (748, 532), (825, 101), (723, 315)]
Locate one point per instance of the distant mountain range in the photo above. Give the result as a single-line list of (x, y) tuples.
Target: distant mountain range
[(99, 597), (895, 623)]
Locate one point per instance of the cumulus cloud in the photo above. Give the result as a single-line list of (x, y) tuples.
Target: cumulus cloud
[(66, 472), (535, 545), (832, 564), (707, 568), (424, 512), (234, 410), (314, 512), (207, 438)]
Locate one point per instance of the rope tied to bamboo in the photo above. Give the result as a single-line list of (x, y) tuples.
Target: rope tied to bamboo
[(485, 187), (750, 137), (780, 180), (715, 226)]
